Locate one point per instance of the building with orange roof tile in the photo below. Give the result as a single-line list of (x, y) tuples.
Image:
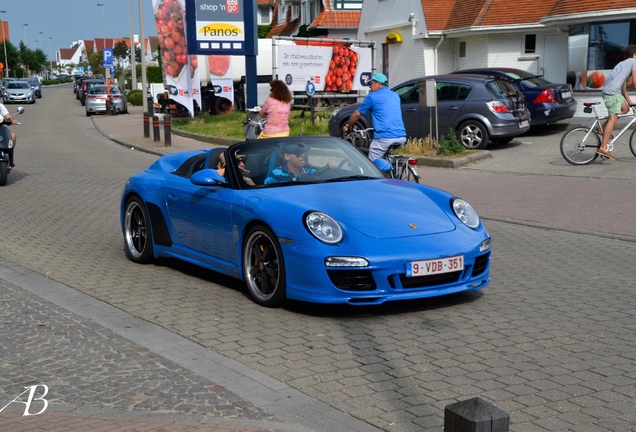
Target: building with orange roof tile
[(559, 39), (332, 18)]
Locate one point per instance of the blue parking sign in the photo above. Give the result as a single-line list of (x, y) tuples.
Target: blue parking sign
[(107, 56)]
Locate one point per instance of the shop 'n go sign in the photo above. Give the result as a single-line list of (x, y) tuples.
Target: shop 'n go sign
[(221, 27)]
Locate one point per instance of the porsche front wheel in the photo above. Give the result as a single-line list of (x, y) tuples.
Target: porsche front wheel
[(137, 235), (264, 267)]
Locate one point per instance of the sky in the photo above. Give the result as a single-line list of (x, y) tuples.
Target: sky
[(65, 21)]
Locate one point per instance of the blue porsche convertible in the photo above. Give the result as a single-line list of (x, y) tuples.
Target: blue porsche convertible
[(305, 218)]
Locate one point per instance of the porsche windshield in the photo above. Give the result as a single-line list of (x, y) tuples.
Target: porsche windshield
[(301, 160)]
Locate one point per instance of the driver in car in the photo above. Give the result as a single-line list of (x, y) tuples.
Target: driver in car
[(293, 166)]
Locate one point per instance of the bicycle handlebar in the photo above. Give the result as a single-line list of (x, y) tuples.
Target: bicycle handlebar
[(362, 131)]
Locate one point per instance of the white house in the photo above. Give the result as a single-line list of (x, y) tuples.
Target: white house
[(559, 39)]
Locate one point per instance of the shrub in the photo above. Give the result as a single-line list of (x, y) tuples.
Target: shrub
[(135, 98), (450, 145)]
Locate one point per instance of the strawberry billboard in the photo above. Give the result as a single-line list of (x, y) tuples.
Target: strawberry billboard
[(337, 67), (180, 70)]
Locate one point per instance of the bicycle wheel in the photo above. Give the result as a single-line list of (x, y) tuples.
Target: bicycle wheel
[(579, 145), (410, 175), (405, 172), (632, 143)]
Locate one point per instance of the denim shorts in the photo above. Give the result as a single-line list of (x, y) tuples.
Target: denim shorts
[(613, 103)]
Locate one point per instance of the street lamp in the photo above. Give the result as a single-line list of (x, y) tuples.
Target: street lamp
[(103, 25), (25, 39), (41, 33), (133, 65), (4, 41)]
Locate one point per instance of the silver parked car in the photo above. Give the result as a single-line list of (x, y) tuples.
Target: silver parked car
[(18, 91), (95, 101)]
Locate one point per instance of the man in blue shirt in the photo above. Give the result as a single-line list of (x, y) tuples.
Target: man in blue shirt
[(386, 116), (293, 166)]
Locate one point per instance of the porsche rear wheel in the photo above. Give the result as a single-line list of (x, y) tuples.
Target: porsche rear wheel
[(137, 235), (264, 267)]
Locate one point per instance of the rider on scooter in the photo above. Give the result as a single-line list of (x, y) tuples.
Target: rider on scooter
[(5, 113)]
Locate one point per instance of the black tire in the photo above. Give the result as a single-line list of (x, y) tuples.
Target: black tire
[(264, 267), (4, 172), (137, 232), (579, 147), (632, 143), (473, 135), (222, 105)]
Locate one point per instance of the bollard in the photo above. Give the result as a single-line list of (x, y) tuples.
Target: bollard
[(146, 125), (108, 105), (475, 415), (155, 128), (167, 126)]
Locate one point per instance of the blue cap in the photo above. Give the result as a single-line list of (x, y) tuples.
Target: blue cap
[(381, 78)]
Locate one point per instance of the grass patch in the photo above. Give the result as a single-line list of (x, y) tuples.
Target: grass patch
[(448, 145), (231, 125)]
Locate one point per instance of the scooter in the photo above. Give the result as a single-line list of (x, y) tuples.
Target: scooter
[(6, 147)]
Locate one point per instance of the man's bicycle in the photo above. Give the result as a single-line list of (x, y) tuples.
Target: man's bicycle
[(402, 167), (579, 144)]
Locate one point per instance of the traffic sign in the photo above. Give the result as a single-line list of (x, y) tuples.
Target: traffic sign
[(107, 56), (310, 88)]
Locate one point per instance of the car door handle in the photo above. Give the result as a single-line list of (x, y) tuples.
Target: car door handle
[(452, 108), (412, 110)]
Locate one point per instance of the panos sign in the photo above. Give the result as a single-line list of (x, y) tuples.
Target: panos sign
[(221, 27)]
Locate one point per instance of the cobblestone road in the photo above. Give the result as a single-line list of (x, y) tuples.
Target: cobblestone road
[(550, 341)]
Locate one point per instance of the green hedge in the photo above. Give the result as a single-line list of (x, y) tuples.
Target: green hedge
[(135, 98)]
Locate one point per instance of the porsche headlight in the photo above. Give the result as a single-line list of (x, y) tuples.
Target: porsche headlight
[(465, 213), (323, 227)]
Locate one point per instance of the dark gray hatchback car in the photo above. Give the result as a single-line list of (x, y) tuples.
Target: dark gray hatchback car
[(479, 109)]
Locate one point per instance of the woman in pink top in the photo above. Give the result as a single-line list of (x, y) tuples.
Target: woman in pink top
[(276, 109)]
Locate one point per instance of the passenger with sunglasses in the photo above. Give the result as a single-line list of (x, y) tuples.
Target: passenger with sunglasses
[(276, 110), (240, 163)]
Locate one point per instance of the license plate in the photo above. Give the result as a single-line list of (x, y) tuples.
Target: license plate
[(434, 266), (566, 95), (524, 123)]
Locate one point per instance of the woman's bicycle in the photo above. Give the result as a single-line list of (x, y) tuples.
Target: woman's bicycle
[(580, 144), (402, 167)]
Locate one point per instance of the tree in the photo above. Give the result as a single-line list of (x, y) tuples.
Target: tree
[(13, 58), (121, 52), (95, 61)]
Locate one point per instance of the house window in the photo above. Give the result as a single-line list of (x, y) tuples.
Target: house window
[(282, 14), (530, 44), (264, 15), (347, 4), (462, 49), (295, 12), (309, 10), (606, 43)]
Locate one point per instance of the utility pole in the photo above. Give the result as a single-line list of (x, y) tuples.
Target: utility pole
[(144, 88), (4, 41), (133, 50)]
